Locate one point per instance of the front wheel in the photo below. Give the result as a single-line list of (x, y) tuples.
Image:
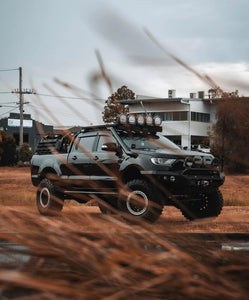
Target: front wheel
[(48, 200), (140, 201), (208, 204)]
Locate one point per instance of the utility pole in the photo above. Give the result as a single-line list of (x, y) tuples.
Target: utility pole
[(21, 109), (20, 91)]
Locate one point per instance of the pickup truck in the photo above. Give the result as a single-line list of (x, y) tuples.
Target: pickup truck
[(129, 167)]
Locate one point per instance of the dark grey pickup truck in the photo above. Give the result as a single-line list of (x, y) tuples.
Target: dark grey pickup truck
[(128, 167)]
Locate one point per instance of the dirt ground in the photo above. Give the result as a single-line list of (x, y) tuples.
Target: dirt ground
[(17, 193), (232, 219)]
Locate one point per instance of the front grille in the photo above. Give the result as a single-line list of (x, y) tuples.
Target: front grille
[(199, 171)]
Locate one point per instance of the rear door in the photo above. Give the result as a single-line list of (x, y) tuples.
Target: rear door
[(80, 161), (105, 166)]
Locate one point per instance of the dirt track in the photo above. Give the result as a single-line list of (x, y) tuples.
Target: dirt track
[(232, 219)]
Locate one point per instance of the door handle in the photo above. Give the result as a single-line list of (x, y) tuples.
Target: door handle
[(96, 157), (74, 157)]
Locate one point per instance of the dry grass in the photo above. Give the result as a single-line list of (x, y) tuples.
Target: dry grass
[(16, 187), (236, 190)]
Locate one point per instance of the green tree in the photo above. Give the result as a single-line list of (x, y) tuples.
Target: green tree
[(25, 152), (231, 138), (113, 107), (8, 153)]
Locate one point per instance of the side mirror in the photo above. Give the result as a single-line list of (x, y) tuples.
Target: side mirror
[(111, 147)]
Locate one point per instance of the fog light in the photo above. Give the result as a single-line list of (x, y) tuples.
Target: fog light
[(172, 179)]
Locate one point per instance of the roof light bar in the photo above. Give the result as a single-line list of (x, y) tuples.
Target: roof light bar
[(140, 120)]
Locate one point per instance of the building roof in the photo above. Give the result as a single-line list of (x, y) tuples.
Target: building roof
[(150, 100)]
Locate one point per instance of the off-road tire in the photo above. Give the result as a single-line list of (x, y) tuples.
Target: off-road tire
[(107, 206), (149, 209), (210, 205), (49, 201)]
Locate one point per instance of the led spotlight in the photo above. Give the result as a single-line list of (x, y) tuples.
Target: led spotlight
[(122, 119), (132, 119), (140, 120), (189, 161), (157, 121), (149, 120)]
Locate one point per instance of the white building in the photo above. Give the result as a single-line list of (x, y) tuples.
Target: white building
[(186, 121)]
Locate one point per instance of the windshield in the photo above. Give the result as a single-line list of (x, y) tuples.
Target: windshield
[(147, 142)]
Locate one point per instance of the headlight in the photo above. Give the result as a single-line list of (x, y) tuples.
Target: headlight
[(163, 161), (189, 161)]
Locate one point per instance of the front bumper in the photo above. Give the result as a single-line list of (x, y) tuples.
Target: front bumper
[(187, 181)]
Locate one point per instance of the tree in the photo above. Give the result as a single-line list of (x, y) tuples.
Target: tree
[(231, 139), (8, 153), (113, 107)]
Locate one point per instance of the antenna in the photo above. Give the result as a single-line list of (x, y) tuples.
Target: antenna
[(141, 102)]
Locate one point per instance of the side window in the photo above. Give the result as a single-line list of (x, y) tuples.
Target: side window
[(86, 143), (104, 139)]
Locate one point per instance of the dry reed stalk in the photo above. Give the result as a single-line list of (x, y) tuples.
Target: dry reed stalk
[(115, 262)]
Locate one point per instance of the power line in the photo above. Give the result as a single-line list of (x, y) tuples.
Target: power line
[(6, 70), (7, 102), (55, 96), (68, 97), (9, 111), (4, 105)]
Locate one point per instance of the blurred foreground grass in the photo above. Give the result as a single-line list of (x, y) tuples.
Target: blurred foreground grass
[(87, 257), (83, 255)]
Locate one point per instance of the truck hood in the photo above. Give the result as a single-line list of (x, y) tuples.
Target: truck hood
[(177, 153)]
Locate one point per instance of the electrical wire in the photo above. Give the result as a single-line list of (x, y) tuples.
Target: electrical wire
[(6, 70), (9, 111), (6, 105), (67, 97), (63, 97), (8, 102)]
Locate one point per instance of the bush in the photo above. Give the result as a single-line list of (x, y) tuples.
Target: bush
[(8, 153), (25, 153)]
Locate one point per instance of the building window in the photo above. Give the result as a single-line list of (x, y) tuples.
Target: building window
[(200, 117), (174, 116)]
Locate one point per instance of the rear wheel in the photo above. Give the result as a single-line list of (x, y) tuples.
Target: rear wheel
[(107, 206), (48, 200), (207, 205), (141, 201)]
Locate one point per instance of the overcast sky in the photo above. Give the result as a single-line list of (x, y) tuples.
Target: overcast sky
[(53, 39)]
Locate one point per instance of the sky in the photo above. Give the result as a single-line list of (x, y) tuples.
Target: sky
[(61, 46)]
